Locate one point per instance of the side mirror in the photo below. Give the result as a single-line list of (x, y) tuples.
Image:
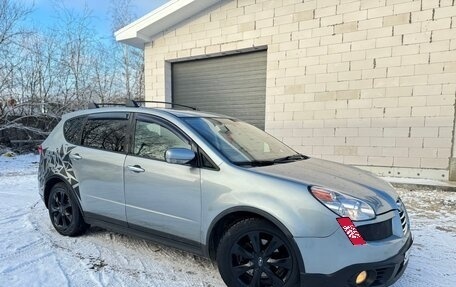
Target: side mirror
[(179, 155)]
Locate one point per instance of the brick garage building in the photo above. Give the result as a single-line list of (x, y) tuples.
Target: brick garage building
[(369, 83)]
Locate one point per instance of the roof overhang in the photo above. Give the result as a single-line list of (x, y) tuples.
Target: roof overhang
[(146, 28)]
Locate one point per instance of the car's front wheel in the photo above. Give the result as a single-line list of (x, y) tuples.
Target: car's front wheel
[(64, 211), (253, 252)]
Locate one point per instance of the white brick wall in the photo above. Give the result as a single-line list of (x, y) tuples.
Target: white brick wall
[(366, 82)]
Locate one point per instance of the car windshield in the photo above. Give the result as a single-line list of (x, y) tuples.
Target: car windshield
[(242, 143)]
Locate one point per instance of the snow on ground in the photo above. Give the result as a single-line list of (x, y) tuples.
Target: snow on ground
[(19, 165), (32, 253), (420, 181)]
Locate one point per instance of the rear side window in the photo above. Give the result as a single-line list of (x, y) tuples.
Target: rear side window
[(105, 134), (72, 129)]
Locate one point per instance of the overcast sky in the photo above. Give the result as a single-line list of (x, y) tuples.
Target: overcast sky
[(43, 11)]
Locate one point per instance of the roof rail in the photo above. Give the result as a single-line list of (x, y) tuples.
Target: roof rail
[(136, 104), (94, 105), (133, 103)]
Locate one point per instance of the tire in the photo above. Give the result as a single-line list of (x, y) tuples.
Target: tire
[(64, 211), (253, 252)]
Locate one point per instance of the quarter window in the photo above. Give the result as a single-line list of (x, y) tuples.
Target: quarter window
[(72, 129), (153, 140), (106, 134)]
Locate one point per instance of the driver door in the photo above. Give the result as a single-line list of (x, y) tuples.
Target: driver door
[(161, 196)]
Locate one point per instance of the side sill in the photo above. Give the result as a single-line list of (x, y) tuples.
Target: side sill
[(145, 233)]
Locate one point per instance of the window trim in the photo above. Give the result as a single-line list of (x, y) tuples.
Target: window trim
[(110, 116), (201, 155)]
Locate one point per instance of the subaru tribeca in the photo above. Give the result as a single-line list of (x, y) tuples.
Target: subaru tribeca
[(221, 188)]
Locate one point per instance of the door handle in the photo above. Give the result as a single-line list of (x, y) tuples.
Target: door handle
[(136, 168), (75, 156)]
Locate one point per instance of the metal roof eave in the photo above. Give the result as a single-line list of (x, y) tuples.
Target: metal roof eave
[(146, 28)]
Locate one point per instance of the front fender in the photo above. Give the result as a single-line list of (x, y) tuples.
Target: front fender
[(285, 202)]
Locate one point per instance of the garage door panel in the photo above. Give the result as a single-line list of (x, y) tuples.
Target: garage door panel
[(204, 68), (249, 103), (215, 87), (210, 72), (234, 92), (247, 59), (233, 85), (252, 80)]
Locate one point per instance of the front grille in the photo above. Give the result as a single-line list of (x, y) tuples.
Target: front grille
[(376, 231), (403, 216)]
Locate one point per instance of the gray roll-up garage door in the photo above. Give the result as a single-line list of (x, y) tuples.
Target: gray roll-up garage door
[(233, 85)]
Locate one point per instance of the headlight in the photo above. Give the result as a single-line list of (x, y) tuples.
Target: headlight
[(342, 204)]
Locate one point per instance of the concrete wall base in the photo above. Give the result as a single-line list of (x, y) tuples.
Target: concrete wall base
[(436, 174), (452, 172)]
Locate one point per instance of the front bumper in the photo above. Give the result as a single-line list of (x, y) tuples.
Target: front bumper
[(380, 274)]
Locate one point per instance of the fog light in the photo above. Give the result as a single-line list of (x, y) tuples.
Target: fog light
[(362, 276)]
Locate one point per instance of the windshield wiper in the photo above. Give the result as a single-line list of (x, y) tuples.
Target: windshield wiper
[(289, 158), (286, 159), (255, 163)]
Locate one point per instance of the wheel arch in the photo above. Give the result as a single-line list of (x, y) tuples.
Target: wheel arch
[(229, 217), (55, 179)]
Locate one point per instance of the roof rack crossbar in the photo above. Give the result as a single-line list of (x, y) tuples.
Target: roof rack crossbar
[(93, 106), (132, 103)]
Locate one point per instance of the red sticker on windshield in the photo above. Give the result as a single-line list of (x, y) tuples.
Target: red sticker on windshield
[(350, 230)]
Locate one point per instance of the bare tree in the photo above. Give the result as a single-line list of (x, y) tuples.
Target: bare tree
[(104, 77), (11, 16), (131, 59), (75, 36), (43, 72), (50, 71), (37, 72)]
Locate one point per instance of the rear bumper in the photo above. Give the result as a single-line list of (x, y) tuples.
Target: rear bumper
[(380, 274)]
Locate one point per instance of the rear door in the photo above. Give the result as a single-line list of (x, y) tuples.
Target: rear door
[(161, 197), (98, 166)]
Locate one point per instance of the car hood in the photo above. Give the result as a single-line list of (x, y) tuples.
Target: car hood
[(338, 177)]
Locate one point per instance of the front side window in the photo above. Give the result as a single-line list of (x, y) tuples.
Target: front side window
[(242, 143), (105, 134), (153, 140)]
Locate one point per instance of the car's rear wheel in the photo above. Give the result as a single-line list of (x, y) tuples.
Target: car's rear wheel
[(64, 211), (253, 252)]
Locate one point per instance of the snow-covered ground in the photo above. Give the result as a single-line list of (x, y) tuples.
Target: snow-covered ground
[(32, 253)]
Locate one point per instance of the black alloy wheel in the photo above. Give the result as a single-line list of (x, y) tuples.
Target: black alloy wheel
[(61, 209), (257, 255), (64, 211)]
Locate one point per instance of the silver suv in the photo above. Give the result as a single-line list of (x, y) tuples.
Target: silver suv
[(221, 188)]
